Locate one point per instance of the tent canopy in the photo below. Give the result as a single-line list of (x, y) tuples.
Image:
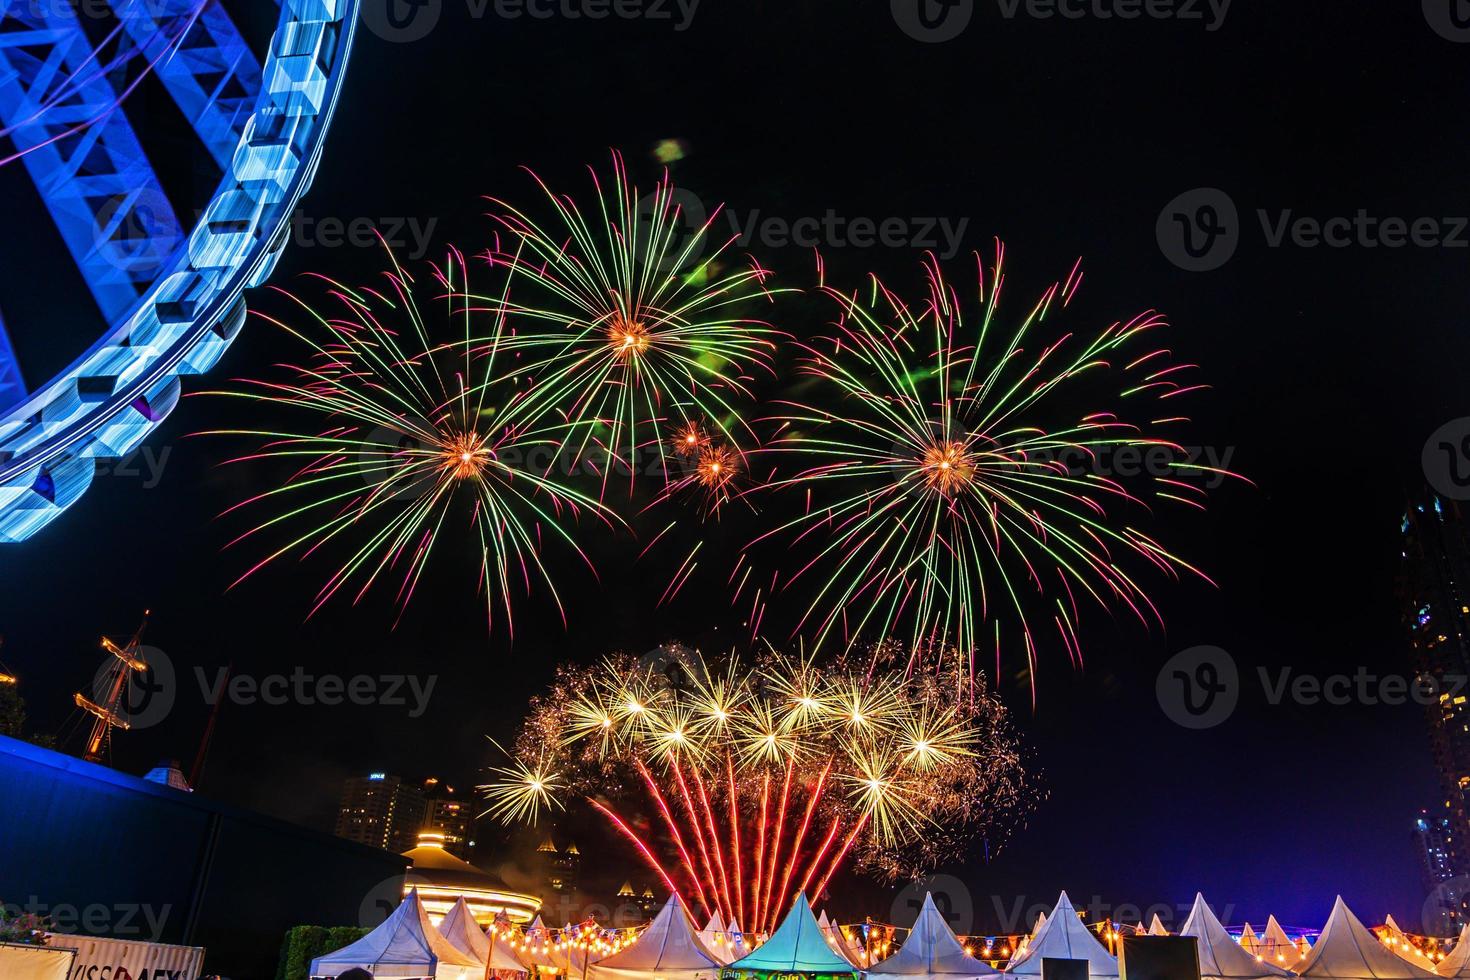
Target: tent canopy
[(405, 945), (1457, 964), (667, 950), (1220, 957), (1063, 936), (931, 950), (1276, 946), (1347, 950), (797, 946), (462, 932), (1156, 927)]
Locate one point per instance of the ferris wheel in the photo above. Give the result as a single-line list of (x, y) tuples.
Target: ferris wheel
[(170, 295)]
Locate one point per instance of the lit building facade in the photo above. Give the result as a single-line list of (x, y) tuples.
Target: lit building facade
[(1434, 595), (441, 879), (1444, 910), (561, 870), (450, 817), (381, 810)]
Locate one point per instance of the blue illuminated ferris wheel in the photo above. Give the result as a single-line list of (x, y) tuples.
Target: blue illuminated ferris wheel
[(170, 295)]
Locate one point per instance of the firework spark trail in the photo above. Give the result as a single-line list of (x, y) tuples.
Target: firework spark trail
[(410, 432), (627, 831), (942, 481), (924, 758), (663, 807)]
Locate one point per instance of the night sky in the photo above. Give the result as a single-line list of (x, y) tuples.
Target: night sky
[(1063, 137)]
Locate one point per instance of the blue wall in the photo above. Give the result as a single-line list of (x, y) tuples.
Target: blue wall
[(114, 855)]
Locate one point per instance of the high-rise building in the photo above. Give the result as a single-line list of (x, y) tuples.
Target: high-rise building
[(1434, 595), (560, 871), (447, 814), (381, 810), (1444, 910)]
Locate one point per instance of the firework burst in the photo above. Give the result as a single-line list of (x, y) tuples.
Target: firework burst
[(767, 779), (949, 482), (631, 320), (413, 439)]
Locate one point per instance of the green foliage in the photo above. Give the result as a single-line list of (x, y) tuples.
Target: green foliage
[(305, 943), (25, 928)]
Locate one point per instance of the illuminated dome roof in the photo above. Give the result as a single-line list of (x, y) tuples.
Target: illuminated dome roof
[(441, 878)]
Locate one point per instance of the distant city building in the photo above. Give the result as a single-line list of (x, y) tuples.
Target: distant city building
[(451, 817), (1434, 595), (381, 810), (560, 870), (644, 900), (1443, 911)]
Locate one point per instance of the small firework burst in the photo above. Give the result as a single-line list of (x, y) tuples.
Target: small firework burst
[(630, 319), (406, 428), (767, 779)]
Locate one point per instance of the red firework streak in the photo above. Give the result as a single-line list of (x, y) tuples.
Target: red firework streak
[(777, 853)]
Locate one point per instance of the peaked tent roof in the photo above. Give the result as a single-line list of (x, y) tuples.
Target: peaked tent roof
[(1277, 947), (668, 949), (931, 950), (1220, 957), (1249, 941), (462, 932), (405, 945), (1347, 950), (797, 946), (1457, 964), (1156, 927), (537, 936), (1065, 937), (1040, 921), (720, 945)]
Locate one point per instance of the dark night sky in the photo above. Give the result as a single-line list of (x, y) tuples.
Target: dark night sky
[(1064, 138)]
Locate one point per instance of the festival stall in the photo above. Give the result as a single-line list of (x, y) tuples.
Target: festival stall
[(405, 945), (1156, 927), (669, 949), (797, 946), (931, 951), (1220, 957), (1348, 950), (1064, 937)]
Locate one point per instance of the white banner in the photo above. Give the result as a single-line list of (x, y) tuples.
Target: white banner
[(124, 959)]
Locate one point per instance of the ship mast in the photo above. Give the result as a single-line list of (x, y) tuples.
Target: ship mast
[(127, 661)]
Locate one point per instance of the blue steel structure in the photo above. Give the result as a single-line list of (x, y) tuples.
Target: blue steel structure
[(172, 298)]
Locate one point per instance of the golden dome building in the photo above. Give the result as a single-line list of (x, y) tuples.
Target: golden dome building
[(441, 878)]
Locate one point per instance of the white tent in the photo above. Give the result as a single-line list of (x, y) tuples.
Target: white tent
[(1398, 941), (1064, 937), (464, 934), (737, 939), (539, 947), (667, 950), (931, 950), (1347, 950), (405, 945), (1220, 957), (1156, 927), (717, 940), (1277, 947), (797, 946), (1249, 941), (1457, 964), (838, 941)]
